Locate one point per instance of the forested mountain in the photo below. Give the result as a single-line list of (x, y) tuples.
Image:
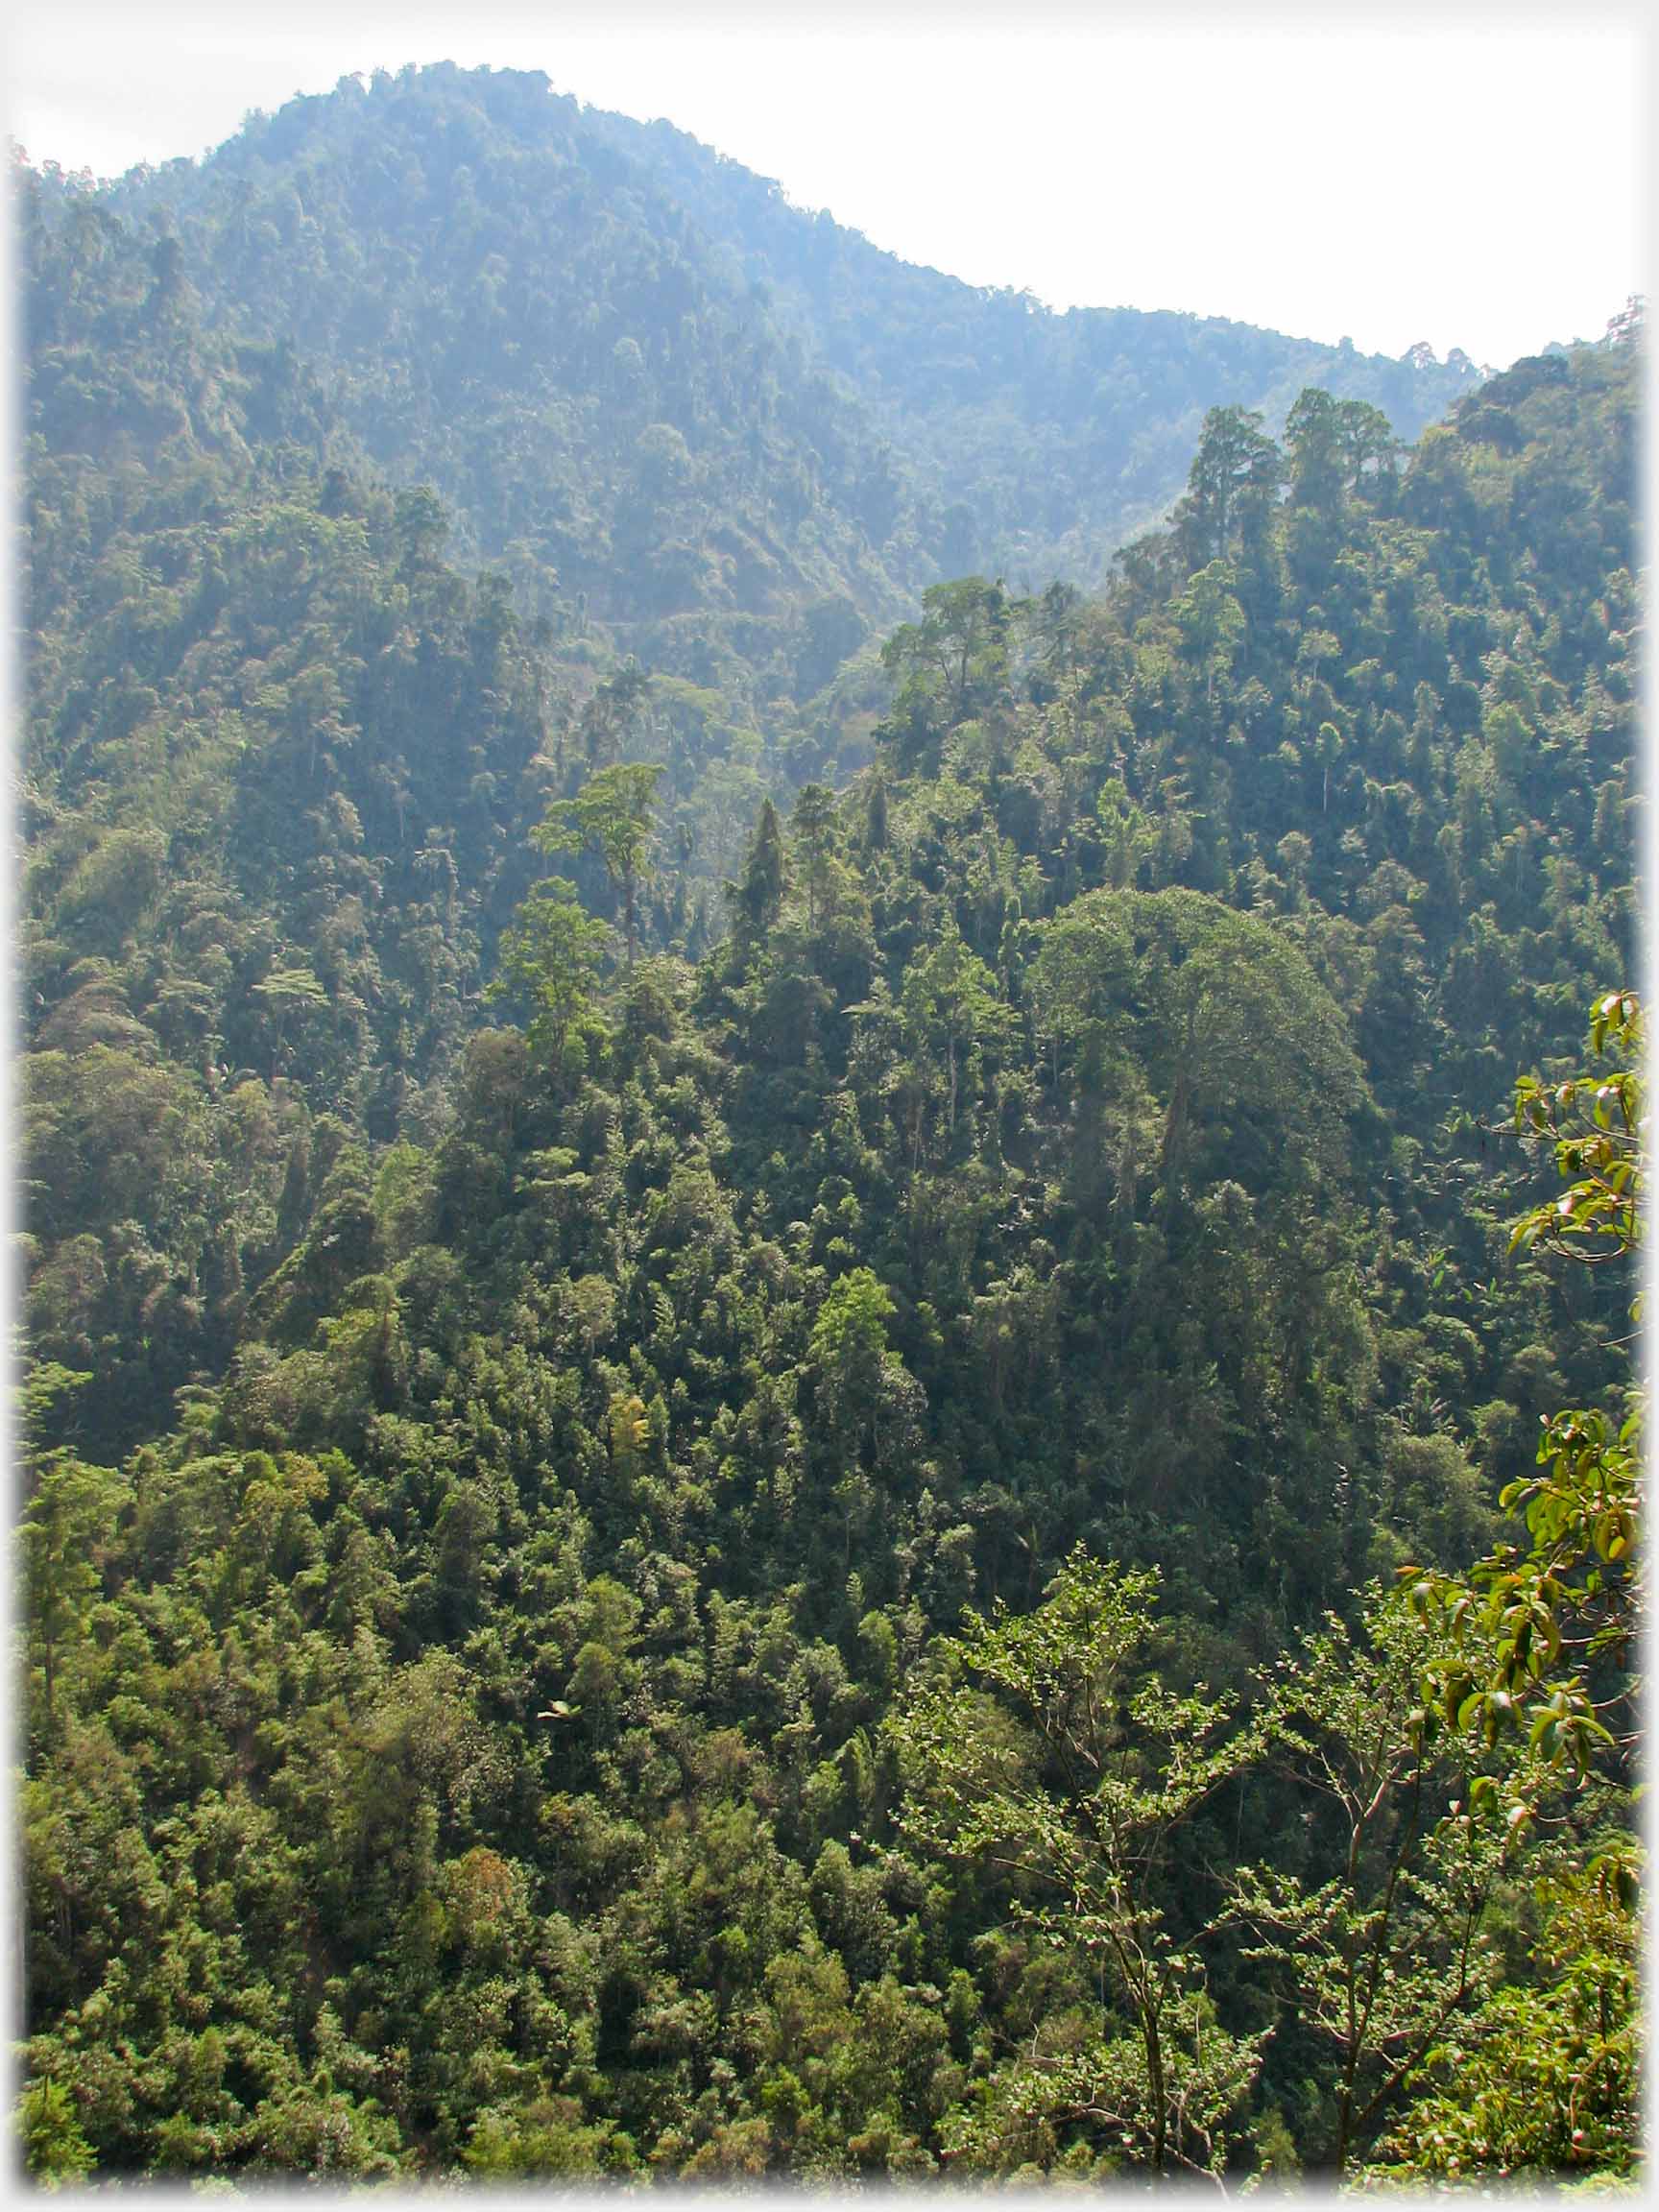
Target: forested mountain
[(733, 435), (1040, 441), (545, 1369), (766, 1192)]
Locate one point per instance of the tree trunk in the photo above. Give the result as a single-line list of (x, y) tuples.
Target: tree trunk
[(1155, 2087)]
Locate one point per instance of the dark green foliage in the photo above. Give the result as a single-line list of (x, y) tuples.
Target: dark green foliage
[(526, 1470)]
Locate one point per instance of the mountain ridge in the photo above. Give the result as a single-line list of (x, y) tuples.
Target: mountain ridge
[(894, 449)]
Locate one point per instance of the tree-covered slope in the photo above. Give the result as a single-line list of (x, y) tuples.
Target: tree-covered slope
[(1041, 440), (665, 399), (485, 1692)]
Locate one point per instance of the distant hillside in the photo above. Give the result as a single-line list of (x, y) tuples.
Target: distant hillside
[(669, 402), (1048, 438)]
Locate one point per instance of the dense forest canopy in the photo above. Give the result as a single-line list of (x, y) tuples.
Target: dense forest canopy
[(688, 420), (780, 1419)]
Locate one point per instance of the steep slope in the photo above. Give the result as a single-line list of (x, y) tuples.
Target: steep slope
[(283, 764), (464, 1733), (1042, 440), (665, 399)]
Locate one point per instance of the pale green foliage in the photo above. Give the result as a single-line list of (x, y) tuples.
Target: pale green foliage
[(284, 985), (44, 1382), (1379, 1957), (813, 825), (1545, 2077), (1049, 1750), (611, 813), (1103, 2084), (1211, 621), (70, 1516), (956, 658), (1592, 1126), (545, 2137), (1541, 1636), (551, 957), (951, 1014), (55, 2149), (868, 1402), (850, 1334)]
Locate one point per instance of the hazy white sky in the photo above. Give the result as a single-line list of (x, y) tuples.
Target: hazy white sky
[(1474, 176)]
